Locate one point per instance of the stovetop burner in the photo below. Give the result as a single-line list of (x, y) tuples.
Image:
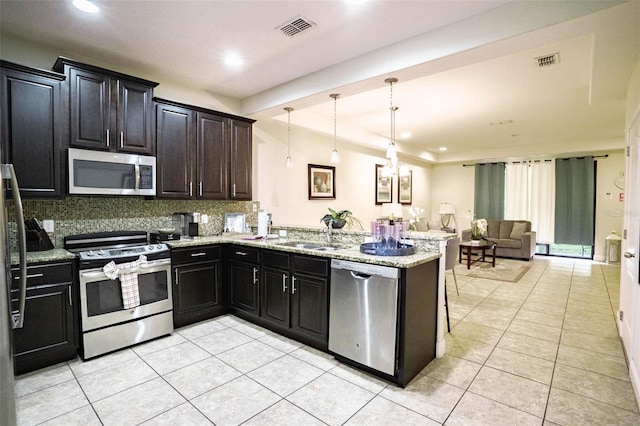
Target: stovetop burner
[(120, 246)]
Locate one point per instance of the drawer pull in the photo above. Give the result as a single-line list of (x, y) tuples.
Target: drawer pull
[(30, 276), (241, 253), (198, 254)]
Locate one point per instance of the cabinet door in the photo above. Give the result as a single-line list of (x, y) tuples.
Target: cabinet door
[(275, 296), (309, 309), (47, 336), (174, 140), (31, 125), (240, 160), (244, 286), (134, 130), (211, 157), (196, 293), (90, 109)]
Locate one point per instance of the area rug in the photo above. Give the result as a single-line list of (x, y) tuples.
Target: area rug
[(502, 272)]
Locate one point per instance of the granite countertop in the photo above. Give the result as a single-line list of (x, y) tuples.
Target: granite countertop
[(346, 252), (53, 255)]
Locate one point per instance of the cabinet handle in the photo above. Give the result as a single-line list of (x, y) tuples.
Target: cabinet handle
[(200, 188), (30, 276), (198, 254), (241, 253), (233, 190), (121, 140), (255, 275), (176, 275), (70, 300), (108, 138), (190, 189), (293, 285), (284, 283)]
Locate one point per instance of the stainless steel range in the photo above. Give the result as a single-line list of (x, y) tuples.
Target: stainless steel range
[(125, 289)]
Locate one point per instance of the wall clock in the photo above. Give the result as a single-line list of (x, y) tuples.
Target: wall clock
[(618, 181)]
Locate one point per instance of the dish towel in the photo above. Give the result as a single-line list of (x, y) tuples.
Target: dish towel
[(128, 274)]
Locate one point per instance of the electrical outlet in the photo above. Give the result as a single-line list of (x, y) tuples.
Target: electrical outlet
[(48, 225), (255, 207), (282, 233)]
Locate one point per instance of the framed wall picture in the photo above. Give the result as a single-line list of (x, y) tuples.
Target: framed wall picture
[(404, 188), (384, 188), (322, 182)]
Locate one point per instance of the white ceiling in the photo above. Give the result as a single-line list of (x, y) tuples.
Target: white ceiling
[(461, 65)]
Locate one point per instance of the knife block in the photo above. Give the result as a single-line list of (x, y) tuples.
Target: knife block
[(38, 240)]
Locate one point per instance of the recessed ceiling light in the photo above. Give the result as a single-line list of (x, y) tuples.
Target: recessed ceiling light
[(443, 148), (405, 135), (233, 60), (500, 123), (86, 6)]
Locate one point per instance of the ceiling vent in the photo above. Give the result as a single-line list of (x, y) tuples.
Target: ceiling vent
[(296, 26), (548, 60)]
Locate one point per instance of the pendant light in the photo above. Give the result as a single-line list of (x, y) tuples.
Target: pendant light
[(393, 166), (335, 157), (288, 163), (392, 153)]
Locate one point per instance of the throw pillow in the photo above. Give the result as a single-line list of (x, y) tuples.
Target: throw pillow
[(518, 229), (505, 229)]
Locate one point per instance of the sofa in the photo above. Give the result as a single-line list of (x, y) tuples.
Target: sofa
[(513, 238)]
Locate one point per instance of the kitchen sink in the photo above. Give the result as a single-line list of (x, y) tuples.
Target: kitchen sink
[(312, 246)]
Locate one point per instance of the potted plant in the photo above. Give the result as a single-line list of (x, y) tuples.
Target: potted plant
[(338, 219)]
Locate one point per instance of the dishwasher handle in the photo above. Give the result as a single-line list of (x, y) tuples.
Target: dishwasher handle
[(360, 276)]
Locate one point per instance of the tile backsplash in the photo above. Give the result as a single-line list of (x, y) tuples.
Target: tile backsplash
[(80, 215)]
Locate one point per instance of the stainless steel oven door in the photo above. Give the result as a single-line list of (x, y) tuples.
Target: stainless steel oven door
[(101, 297)]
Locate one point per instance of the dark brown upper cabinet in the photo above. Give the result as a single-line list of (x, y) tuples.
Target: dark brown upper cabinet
[(108, 110), (202, 154), (31, 120)]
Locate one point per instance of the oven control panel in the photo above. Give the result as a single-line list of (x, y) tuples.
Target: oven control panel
[(117, 253)]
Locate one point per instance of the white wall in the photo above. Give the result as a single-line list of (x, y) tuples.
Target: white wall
[(453, 183), (284, 192), (609, 209)]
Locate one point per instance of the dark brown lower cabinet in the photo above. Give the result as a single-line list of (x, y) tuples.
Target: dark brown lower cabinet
[(197, 284), (243, 277), (50, 331)]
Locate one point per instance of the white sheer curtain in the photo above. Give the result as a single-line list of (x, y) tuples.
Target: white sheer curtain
[(530, 195), (516, 197), (543, 197)]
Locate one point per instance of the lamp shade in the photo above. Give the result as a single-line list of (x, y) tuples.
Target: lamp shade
[(447, 208)]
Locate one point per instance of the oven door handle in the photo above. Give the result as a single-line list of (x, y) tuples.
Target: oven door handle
[(154, 266)]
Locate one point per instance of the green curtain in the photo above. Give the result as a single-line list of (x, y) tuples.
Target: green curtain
[(489, 191), (575, 201)]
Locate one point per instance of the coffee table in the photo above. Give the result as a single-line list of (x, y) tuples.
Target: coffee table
[(479, 250)]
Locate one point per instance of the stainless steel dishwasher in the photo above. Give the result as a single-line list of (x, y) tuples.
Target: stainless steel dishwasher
[(363, 313)]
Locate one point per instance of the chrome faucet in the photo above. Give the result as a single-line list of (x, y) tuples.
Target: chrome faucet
[(329, 234)]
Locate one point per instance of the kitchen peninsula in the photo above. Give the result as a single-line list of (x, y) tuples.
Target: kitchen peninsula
[(285, 288)]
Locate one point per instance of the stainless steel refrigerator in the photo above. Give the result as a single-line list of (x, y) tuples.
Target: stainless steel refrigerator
[(11, 315)]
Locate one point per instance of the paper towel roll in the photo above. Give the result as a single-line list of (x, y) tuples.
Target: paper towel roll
[(263, 222)]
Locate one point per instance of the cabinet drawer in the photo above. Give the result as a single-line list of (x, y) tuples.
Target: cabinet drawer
[(244, 254), (44, 274), (195, 254), (310, 265), (275, 259)]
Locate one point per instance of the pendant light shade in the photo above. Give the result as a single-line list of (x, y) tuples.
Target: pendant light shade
[(335, 157), (288, 162)]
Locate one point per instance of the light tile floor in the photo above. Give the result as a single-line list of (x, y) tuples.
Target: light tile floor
[(543, 350)]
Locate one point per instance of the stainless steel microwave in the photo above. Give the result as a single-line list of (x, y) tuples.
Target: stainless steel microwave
[(111, 173)]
